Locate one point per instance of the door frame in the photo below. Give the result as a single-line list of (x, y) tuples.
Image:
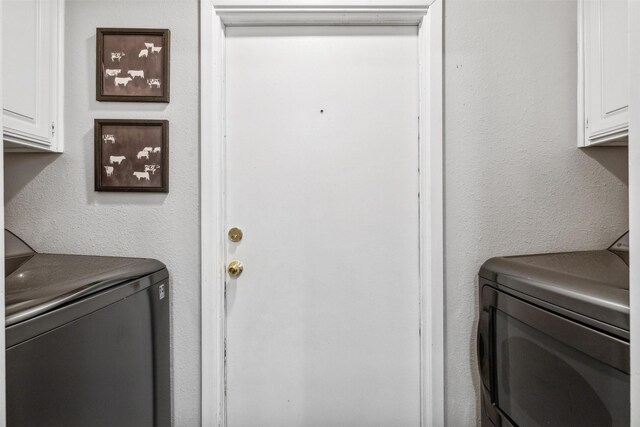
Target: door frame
[(213, 21)]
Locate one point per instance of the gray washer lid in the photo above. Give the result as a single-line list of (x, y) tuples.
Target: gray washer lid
[(16, 252), (15, 247), (48, 281), (594, 284)]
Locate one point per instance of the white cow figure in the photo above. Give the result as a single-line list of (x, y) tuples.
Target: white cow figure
[(149, 149), (122, 81), (144, 53), (109, 138), (109, 170), (112, 72), (156, 150), (116, 159), (116, 56), (136, 73), (142, 154), (141, 175), (151, 168), (153, 82), (156, 49), (149, 45)]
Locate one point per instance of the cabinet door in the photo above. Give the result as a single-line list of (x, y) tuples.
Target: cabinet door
[(606, 71), (31, 56)]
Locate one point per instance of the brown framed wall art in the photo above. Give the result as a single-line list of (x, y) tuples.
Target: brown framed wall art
[(132, 64), (131, 155)]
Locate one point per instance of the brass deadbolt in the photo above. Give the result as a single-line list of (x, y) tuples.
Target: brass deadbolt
[(235, 234), (234, 268)]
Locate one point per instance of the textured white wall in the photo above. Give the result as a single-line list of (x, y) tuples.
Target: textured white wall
[(50, 199), (515, 182)]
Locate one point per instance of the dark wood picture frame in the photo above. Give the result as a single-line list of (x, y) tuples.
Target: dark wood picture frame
[(133, 174), (158, 83)]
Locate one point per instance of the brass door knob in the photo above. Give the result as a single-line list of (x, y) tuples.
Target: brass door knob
[(235, 234), (234, 268)]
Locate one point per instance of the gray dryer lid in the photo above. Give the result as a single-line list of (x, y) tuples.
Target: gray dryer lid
[(47, 281), (594, 284)]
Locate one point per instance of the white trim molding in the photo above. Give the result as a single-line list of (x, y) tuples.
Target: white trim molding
[(211, 194), (268, 16), (429, 20), (432, 216)]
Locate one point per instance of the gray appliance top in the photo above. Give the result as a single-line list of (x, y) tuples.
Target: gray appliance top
[(15, 247), (594, 284), (621, 247), (43, 282), (16, 252)]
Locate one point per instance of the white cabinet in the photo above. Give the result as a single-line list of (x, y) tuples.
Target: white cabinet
[(603, 73), (32, 75)]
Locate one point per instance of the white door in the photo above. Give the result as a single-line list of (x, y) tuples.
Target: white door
[(322, 178)]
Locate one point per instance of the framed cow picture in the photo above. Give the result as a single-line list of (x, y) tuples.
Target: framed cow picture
[(131, 155), (132, 65)]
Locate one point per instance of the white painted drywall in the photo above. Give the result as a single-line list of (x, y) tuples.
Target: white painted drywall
[(634, 206), (50, 200), (514, 180)]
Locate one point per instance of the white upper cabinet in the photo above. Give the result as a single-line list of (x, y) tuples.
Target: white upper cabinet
[(603, 73), (32, 77)]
